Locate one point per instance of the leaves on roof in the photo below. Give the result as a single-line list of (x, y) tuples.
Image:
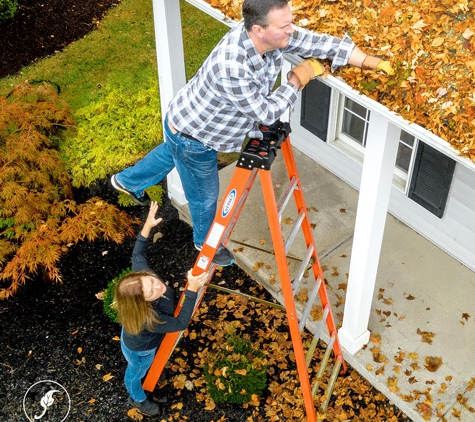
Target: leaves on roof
[(431, 45)]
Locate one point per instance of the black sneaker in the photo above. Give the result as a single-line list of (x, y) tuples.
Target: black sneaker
[(147, 407), (223, 257), (143, 200)]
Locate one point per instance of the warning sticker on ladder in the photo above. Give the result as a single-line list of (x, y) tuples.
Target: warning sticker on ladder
[(215, 235), (202, 262)]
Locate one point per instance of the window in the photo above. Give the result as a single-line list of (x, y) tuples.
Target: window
[(355, 122), (421, 172), (404, 160)]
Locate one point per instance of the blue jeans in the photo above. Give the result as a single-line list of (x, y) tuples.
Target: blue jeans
[(138, 365), (197, 166)]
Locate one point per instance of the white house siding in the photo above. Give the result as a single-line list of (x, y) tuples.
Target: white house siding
[(454, 232)]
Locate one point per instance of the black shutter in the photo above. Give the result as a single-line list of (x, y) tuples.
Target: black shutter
[(431, 179), (316, 108)]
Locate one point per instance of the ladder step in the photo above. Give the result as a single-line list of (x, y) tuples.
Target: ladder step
[(323, 364), (303, 268), (309, 305), (331, 383), (321, 323), (294, 231), (282, 204)]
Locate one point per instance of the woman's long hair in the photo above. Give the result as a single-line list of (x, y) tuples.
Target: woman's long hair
[(134, 312)]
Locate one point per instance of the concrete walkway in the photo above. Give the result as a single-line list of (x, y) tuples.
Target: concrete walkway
[(423, 309)]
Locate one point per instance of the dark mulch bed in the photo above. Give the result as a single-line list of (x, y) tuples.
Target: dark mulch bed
[(60, 333), (43, 27)]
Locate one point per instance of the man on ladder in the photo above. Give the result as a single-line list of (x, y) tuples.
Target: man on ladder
[(227, 99)]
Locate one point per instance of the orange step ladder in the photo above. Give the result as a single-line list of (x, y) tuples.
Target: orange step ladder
[(256, 159)]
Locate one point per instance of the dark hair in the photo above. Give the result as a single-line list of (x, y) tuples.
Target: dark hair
[(255, 12)]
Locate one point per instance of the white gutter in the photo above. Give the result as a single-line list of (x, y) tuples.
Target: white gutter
[(214, 13)]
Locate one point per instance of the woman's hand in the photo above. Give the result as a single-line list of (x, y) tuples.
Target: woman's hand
[(151, 220), (195, 282)]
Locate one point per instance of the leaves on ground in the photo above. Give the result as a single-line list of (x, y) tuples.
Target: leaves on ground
[(427, 336), (353, 397), (432, 363)]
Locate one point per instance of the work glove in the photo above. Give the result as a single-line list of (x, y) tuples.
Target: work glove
[(375, 63), (307, 70)]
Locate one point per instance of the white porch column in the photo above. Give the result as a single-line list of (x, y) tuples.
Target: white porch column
[(376, 180), (171, 69)]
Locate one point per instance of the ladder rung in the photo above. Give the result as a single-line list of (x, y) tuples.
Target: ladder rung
[(323, 364), (308, 306), (321, 323), (282, 204), (328, 393), (294, 231), (303, 267), (311, 350)]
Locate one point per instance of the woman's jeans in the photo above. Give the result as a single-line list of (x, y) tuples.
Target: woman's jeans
[(197, 166), (138, 365)]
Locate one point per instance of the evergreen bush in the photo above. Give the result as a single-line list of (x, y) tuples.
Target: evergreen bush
[(8, 9), (108, 304), (112, 134), (236, 372)]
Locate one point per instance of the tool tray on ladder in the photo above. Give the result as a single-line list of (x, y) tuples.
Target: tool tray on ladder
[(261, 153), (256, 159)]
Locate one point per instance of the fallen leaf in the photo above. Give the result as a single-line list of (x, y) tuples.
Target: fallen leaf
[(437, 41), (442, 389), (392, 384), (157, 236), (375, 338), (432, 363), (410, 297), (107, 377), (465, 316), (467, 34), (134, 414), (427, 336)]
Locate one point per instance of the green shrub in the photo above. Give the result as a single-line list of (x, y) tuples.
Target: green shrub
[(108, 304), (236, 371), (112, 134), (8, 9)]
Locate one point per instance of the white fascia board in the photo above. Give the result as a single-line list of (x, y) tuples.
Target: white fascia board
[(214, 13), (412, 128)]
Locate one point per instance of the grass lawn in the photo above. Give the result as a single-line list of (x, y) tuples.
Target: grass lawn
[(121, 52)]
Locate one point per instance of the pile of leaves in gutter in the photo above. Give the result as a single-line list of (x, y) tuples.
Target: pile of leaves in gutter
[(431, 45), (60, 333)]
